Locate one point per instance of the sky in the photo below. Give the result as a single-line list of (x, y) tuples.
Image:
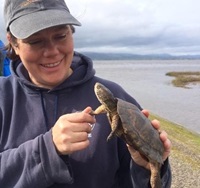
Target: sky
[(135, 26)]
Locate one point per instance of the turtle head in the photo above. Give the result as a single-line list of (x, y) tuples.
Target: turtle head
[(105, 96)]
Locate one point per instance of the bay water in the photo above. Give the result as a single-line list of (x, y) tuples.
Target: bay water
[(147, 82)]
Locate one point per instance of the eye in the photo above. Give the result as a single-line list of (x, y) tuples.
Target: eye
[(62, 33), (34, 42), (61, 36)]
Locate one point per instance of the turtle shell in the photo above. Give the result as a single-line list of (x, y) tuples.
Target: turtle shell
[(138, 131)]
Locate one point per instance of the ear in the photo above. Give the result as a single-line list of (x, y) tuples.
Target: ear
[(12, 43)]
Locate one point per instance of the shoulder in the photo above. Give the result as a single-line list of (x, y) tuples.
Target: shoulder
[(7, 85)]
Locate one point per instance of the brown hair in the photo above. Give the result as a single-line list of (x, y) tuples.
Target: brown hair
[(9, 49)]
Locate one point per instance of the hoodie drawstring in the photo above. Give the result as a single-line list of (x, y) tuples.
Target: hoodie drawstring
[(56, 108), (45, 110)]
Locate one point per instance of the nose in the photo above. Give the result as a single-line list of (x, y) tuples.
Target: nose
[(50, 48)]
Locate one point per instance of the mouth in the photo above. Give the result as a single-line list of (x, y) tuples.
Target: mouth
[(51, 65)]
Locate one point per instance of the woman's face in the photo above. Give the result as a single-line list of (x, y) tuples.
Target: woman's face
[(47, 55)]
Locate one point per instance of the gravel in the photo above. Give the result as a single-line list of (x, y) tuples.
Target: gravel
[(183, 175), (185, 166)]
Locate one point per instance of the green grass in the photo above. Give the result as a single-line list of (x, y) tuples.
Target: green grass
[(185, 143), (183, 79)]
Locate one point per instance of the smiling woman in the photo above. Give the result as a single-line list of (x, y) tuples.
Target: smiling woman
[(52, 86), (47, 55)]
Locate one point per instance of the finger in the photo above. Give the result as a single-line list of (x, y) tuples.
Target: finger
[(145, 112), (165, 140), (81, 127), (88, 110), (87, 115), (167, 146), (163, 136), (73, 147), (138, 158), (156, 124), (134, 153), (131, 149), (79, 137), (79, 145), (80, 117)]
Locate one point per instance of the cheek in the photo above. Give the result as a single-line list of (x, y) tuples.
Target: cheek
[(69, 47), (29, 58), (23, 51)]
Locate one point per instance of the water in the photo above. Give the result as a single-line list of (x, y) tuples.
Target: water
[(147, 83)]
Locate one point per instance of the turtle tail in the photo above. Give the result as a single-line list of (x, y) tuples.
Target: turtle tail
[(155, 179)]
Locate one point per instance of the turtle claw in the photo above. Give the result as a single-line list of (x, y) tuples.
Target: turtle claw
[(110, 136)]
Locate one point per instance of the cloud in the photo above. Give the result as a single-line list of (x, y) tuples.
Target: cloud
[(156, 26)]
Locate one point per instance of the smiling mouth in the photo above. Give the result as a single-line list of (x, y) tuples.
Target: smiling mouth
[(51, 65)]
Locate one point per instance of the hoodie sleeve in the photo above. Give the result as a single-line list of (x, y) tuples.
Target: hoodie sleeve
[(35, 163), (141, 176)]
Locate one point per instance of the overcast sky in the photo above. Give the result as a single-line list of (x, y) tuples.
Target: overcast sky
[(136, 26)]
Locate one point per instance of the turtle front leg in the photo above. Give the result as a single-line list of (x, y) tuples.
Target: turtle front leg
[(114, 123), (100, 110)]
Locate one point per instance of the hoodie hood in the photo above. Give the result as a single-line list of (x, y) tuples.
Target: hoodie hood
[(82, 67)]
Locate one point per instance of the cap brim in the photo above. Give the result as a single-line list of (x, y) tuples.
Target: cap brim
[(25, 26)]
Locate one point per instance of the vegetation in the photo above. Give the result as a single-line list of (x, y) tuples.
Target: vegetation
[(185, 144), (184, 79)]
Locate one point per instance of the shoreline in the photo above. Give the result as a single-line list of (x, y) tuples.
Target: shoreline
[(185, 154), (147, 83)]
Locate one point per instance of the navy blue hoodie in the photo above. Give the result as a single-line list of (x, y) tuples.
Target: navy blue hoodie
[(28, 158)]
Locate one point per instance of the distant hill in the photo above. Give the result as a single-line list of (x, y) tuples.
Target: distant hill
[(126, 56)]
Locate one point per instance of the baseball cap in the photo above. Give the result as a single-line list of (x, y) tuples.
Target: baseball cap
[(26, 17)]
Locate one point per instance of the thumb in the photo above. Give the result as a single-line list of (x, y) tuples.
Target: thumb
[(87, 110)]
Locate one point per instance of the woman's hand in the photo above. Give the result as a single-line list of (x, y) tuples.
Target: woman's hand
[(70, 133), (141, 160)]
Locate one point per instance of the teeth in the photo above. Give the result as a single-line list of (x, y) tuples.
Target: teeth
[(51, 65)]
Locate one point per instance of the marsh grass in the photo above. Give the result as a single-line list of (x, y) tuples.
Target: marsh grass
[(185, 143), (185, 79)]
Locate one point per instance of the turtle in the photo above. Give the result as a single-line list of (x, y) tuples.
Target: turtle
[(132, 126)]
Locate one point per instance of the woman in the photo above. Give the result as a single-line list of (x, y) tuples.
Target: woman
[(45, 110)]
